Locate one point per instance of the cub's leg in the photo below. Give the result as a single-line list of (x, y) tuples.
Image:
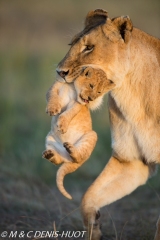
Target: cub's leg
[(118, 179), (82, 150), (66, 117), (157, 236), (55, 152), (53, 99), (52, 156)]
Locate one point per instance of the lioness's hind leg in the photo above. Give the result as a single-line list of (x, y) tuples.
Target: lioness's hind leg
[(52, 156)]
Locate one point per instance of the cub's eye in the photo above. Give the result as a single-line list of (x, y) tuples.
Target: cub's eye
[(99, 92), (91, 86), (88, 48), (87, 74)]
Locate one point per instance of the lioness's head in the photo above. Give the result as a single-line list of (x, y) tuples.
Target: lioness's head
[(91, 85), (102, 44)]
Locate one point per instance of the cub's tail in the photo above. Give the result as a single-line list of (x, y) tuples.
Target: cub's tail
[(65, 168)]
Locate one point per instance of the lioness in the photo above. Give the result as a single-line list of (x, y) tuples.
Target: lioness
[(71, 139), (131, 59)]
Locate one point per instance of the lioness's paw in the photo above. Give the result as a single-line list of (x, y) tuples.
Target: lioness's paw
[(53, 109), (62, 124)]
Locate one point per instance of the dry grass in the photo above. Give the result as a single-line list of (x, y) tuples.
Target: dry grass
[(30, 205)]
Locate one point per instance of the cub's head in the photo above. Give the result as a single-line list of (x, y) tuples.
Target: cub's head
[(91, 85), (103, 43)]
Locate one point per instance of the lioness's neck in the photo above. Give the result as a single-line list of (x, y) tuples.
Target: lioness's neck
[(145, 38), (143, 78), (147, 45), (144, 57)]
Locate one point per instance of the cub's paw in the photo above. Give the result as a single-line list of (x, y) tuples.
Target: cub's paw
[(52, 156), (72, 150), (53, 109), (62, 124), (69, 147), (48, 154)]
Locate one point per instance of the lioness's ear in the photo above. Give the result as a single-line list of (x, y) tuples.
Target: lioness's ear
[(124, 26), (95, 18)]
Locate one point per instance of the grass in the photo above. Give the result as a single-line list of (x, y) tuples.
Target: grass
[(29, 199)]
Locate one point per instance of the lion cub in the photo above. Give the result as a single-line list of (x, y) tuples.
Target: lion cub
[(71, 139)]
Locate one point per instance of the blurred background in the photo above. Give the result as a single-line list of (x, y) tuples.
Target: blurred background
[(34, 37)]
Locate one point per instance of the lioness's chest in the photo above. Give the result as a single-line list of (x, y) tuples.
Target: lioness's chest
[(134, 135), (147, 135)]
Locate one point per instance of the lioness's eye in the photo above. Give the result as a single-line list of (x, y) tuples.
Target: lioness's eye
[(88, 48), (91, 86), (99, 92)]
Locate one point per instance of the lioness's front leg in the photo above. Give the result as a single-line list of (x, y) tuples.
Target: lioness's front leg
[(116, 180)]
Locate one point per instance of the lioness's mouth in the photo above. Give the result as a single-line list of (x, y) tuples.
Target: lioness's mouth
[(84, 100)]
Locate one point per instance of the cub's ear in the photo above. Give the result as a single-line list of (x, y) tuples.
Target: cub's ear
[(95, 18), (108, 84), (124, 26)]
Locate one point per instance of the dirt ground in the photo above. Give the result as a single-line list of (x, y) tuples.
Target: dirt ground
[(30, 205)]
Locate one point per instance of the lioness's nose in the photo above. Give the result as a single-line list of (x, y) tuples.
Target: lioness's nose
[(62, 73)]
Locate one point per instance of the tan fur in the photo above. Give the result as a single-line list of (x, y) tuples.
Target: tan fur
[(131, 59), (71, 139)]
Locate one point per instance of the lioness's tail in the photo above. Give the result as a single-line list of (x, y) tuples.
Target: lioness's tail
[(64, 169)]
